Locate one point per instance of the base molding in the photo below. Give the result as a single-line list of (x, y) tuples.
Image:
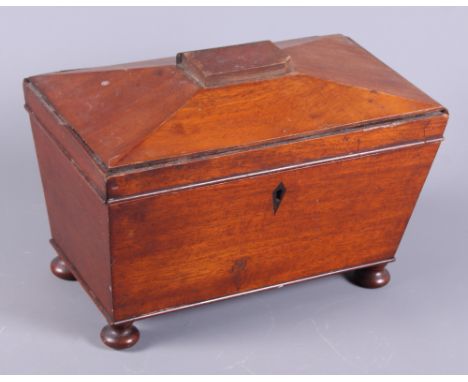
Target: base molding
[(343, 270)]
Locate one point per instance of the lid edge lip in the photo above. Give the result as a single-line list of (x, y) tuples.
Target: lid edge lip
[(130, 197), (203, 155)]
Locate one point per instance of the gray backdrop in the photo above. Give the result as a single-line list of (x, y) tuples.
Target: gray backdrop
[(417, 324)]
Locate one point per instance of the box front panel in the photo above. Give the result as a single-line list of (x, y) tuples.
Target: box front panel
[(188, 246)]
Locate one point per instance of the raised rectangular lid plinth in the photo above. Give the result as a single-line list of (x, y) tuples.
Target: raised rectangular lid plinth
[(218, 100), (235, 64)]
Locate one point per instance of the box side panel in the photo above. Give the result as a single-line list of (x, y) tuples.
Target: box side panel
[(78, 219), (189, 246)]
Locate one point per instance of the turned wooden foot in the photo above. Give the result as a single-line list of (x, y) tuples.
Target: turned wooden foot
[(60, 269), (120, 336), (372, 277)]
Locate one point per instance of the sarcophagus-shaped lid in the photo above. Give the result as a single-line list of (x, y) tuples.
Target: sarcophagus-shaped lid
[(216, 100)]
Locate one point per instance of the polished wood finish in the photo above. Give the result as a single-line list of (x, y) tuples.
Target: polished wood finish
[(335, 215), (373, 277), (64, 136), (78, 219), (234, 64), (60, 269), (172, 183), (120, 336), (338, 58), (289, 153), (191, 120), (282, 110)]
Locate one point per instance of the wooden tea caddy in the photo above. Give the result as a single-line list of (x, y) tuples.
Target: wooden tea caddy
[(175, 182)]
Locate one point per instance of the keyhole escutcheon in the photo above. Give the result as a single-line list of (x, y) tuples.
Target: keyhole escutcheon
[(278, 196)]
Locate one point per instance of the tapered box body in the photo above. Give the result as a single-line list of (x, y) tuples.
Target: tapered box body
[(175, 182)]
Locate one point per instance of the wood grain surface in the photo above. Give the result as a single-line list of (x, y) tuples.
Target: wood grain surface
[(129, 117), (234, 64), (183, 247), (78, 220), (234, 169), (181, 173)]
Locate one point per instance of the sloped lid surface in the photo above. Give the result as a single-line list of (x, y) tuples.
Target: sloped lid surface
[(228, 98)]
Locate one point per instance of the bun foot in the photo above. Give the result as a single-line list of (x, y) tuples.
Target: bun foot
[(372, 277), (60, 269), (120, 336)]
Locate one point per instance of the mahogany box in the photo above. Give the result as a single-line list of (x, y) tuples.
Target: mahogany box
[(176, 182)]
